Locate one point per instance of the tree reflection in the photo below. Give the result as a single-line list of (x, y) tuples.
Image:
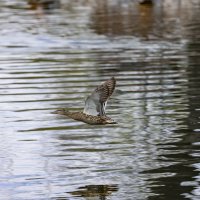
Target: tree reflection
[(183, 179)]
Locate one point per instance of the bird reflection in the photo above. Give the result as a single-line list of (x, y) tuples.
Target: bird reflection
[(44, 4), (95, 192)]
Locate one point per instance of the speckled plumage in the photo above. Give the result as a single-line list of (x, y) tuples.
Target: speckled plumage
[(89, 119), (95, 104), (106, 89)]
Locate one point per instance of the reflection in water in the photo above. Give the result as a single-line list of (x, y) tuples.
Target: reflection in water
[(131, 19), (98, 191), (56, 60), (146, 20), (44, 4), (162, 20), (185, 153), (113, 20), (146, 2)]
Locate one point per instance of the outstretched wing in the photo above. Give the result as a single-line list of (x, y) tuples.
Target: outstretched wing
[(95, 104)]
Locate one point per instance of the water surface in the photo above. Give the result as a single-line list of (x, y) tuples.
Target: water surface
[(53, 58)]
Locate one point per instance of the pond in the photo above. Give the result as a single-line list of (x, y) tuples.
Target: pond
[(54, 55)]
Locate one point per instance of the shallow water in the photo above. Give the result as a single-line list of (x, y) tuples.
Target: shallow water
[(54, 58)]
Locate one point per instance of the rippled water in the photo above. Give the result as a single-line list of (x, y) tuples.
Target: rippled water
[(54, 58)]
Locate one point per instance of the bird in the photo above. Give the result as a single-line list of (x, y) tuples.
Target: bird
[(95, 106)]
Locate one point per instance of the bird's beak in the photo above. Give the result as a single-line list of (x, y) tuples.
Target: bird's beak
[(111, 122)]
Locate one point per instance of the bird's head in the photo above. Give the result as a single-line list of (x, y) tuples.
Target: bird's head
[(60, 111)]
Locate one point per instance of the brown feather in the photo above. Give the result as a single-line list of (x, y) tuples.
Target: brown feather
[(89, 119), (106, 89)]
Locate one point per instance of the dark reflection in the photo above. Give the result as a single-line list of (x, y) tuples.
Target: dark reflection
[(117, 19), (146, 2), (147, 20), (171, 188), (44, 4), (169, 184), (183, 179), (113, 19), (172, 185), (100, 191)]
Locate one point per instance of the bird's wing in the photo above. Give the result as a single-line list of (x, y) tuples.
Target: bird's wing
[(95, 104)]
